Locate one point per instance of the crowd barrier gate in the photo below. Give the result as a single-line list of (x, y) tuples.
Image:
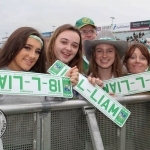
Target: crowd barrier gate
[(75, 125)]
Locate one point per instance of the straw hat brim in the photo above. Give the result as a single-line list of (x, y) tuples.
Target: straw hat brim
[(120, 45)]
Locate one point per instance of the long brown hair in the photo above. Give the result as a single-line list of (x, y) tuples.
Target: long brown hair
[(50, 56), (131, 50), (116, 66), (16, 42)]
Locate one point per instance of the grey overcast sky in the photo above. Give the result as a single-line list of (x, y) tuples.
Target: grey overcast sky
[(43, 14)]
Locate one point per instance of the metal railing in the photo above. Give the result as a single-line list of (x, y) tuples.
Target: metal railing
[(63, 125)]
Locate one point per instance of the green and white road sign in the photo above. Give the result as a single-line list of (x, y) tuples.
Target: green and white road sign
[(96, 96), (127, 85), (36, 84), (58, 68)]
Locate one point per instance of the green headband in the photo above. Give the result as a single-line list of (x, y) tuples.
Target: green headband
[(37, 38)]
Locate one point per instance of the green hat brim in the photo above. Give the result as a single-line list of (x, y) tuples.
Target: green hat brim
[(86, 25)]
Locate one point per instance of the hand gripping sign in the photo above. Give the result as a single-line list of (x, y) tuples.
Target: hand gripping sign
[(128, 85), (36, 84), (95, 95)]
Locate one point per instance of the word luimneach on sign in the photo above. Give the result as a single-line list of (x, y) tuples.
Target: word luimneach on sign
[(95, 95), (36, 84), (127, 85)]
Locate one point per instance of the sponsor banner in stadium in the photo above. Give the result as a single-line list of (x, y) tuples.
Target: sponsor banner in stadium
[(107, 27), (47, 34), (139, 25), (121, 27)]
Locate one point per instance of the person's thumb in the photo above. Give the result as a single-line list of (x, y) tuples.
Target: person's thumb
[(68, 73)]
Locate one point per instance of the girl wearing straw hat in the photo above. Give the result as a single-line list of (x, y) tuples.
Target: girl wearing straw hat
[(104, 54)]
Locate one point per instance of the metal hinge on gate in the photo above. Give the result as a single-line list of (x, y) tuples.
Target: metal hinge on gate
[(88, 109)]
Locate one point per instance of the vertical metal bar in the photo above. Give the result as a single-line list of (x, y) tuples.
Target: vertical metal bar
[(1, 144), (46, 131), (121, 137), (94, 129), (37, 132)]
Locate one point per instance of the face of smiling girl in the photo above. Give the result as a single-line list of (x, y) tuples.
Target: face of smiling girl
[(66, 46), (27, 57), (104, 55)]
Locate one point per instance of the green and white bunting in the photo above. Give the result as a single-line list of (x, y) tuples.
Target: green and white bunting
[(95, 95), (36, 84)]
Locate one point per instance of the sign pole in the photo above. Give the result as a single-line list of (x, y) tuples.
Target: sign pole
[(93, 128)]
